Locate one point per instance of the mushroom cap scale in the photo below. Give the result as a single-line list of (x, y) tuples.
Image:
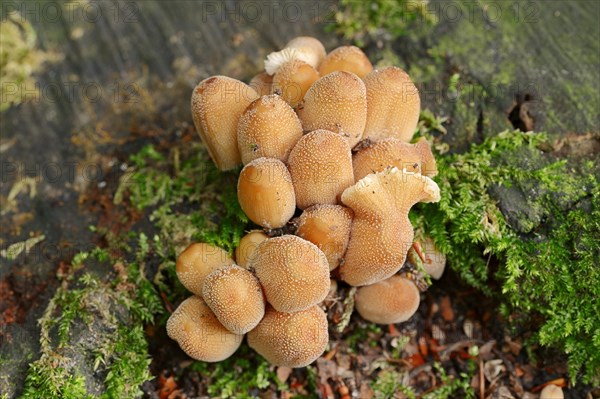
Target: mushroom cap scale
[(309, 44), (248, 244), (390, 301), (198, 332), (293, 79), (346, 58), (262, 84), (235, 297), (196, 262), (217, 104), (269, 127), (291, 339), (277, 59), (293, 272)]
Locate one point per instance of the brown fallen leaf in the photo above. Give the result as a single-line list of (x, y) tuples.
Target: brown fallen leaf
[(446, 308)]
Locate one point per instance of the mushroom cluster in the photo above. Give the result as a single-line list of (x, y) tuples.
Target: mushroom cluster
[(329, 175)]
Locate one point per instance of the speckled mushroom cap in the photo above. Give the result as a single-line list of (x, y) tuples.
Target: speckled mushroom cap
[(293, 79), (235, 297), (217, 104), (552, 391), (320, 165), (346, 58), (291, 339), (393, 105), (338, 103), (435, 261), (393, 300), (379, 155), (262, 84), (270, 128), (328, 227), (293, 272), (198, 332), (248, 244), (381, 233), (266, 193), (310, 46), (196, 262)]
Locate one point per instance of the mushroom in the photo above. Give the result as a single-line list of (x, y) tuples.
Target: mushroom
[(196, 262), (266, 193), (320, 165), (393, 300), (393, 103), (346, 58), (245, 250), (552, 391), (262, 84), (291, 339), (217, 104), (435, 261), (376, 156), (328, 227), (303, 48), (381, 233), (338, 103), (269, 127), (293, 79), (309, 45), (198, 332), (293, 272), (235, 297)]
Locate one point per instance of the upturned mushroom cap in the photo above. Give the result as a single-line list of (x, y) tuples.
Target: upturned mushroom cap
[(291, 339), (393, 105), (293, 272), (328, 227), (338, 103), (293, 79), (309, 45), (552, 392), (435, 261), (381, 233), (320, 165), (196, 262), (198, 332), (217, 104), (346, 58), (379, 155), (266, 193), (262, 84), (248, 244), (270, 128), (235, 297), (390, 301)]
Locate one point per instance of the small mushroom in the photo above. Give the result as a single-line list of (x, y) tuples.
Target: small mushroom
[(346, 58), (198, 332), (393, 300), (262, 83), (435, 261), (270, 128), (196, 262), (328, 227), (338, 103), (320, 165), (293, 272), (381, 233), (235, 297), (309, 45), (217, 104), (377, 156), (248, 244), (552, 391), (393, 105), (293, 79), (266, 193), (291, 339)]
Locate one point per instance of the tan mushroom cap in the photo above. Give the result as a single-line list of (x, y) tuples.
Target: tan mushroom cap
[(262, 83), (270, 128), (235, 297), (196, 262), (346, 58), (291, 339), (552, 391), (321, 168), (338, 103), (435, 261), (381, 233), (293, 79), (393, 105), (248, 244), (198, 332), (328, 227), (293, 272), (379, 155), (217, 104), (266, 193), (309, 45), (390, 301)]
